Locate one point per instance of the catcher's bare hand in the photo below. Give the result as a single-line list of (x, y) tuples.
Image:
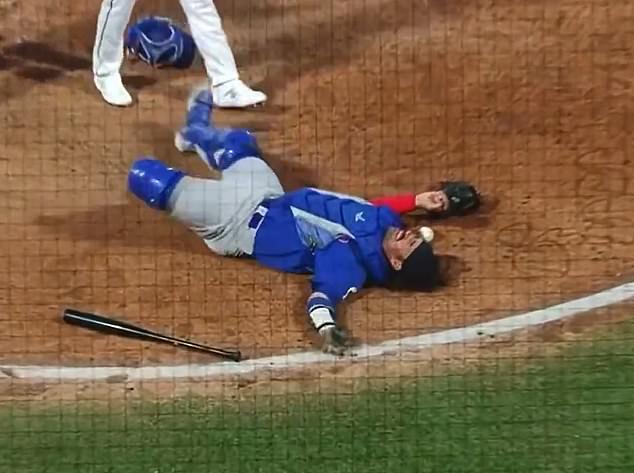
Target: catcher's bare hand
[(453, 198), (433, 201)]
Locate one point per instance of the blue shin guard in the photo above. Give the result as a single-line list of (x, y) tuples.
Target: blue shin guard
[(153, 182), (199, 110), (200, 107), (220, 148)]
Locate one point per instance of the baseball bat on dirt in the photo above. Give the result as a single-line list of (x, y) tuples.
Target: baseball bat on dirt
[(109, 325)]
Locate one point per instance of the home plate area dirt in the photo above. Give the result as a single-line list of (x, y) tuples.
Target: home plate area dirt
[(529, 100)]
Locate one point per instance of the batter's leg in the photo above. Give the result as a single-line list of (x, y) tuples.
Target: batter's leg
[(107, 53), (211, 40)]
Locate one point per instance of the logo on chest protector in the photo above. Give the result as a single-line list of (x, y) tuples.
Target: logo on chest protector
[(359, 217)]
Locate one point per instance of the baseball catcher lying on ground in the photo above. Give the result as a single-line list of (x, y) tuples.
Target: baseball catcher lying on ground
[(345, 242)]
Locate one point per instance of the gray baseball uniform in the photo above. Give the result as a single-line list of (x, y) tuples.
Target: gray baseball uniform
[(219, 210)]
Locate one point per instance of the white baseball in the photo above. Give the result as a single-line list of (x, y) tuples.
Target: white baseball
[(427, 234)]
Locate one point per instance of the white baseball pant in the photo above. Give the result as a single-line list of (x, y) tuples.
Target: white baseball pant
[(206, 29)]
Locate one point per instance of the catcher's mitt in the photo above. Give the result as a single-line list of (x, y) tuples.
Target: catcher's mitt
[(159, 42), (463, 198)]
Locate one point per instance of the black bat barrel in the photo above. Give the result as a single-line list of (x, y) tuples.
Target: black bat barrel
[(108, 325)]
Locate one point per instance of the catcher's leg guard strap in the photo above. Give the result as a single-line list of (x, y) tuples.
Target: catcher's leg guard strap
[(236, 145), (220, 148)]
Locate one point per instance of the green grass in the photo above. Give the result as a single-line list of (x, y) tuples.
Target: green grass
[(573, 412)]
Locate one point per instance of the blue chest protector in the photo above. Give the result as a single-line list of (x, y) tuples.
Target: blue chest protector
[(337, 238)]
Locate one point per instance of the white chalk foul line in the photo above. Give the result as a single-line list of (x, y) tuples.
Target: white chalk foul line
[(470, 333)]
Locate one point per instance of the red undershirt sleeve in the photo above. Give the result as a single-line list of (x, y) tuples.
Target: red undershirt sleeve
[(400, 203)]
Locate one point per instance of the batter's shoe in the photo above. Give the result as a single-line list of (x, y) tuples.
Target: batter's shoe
[(112, 90), (236, 94)]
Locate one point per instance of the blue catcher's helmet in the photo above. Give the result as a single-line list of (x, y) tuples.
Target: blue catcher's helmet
[(159, 42)]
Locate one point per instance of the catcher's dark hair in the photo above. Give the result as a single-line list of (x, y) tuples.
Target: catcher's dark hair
[(420, 271)]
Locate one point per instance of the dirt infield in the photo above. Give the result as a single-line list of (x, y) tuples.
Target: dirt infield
[(530, 100)]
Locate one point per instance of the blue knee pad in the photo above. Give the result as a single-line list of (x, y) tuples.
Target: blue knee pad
[(237, 144), (153, 181)]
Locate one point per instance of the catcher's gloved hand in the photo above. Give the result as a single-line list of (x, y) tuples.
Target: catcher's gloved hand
[(335, 340), (159, 42), (463, 198)]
